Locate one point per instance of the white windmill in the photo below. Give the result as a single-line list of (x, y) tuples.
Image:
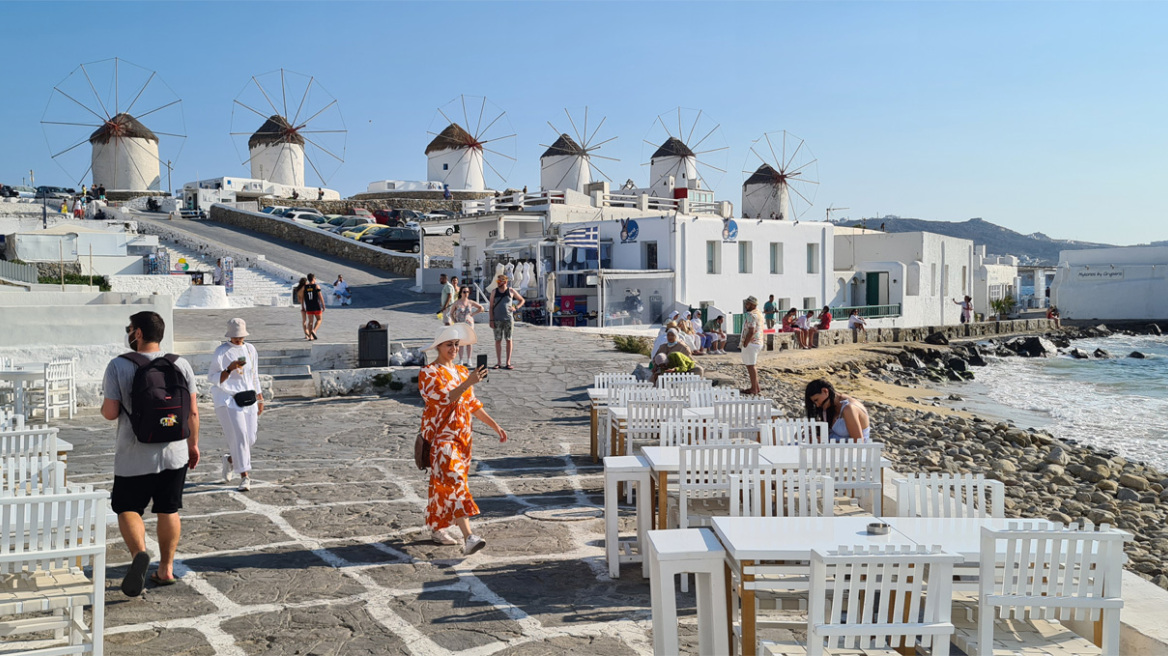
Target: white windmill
[(456, 156), (567, 163), (313, 131), (124, 153), (783, 186), (684, 159)]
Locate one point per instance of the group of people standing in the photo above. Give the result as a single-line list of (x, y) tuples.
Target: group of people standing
[(457, 307)]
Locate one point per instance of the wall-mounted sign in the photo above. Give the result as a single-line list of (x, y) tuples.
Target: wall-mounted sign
[(729, 231), (1099, 274), (629, 231)]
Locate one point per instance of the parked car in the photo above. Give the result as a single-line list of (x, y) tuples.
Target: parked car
[(24, 192), (331, 223), (306, 218), (388, 218), (357, 232), (275, 210), (431, 229), (306, 210), (440, 215), (359, 211), (348, 223), (325, 218), (45, 191), (8, 192), (395, 239)]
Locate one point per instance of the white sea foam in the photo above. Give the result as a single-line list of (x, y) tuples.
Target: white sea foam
[(1119, 403)]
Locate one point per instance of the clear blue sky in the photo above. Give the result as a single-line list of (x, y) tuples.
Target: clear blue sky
[(1043, 116)]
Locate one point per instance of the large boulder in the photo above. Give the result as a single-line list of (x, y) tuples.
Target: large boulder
[(1101, 353), (1137, 355), (1034, 347), (957, 364), (1080, 354), (910, 361), (1154, 329), (937, 339)]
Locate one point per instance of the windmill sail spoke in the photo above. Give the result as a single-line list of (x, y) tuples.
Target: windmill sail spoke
[(265, 93), (482, 108), (309, 119), (139, 94), (81, 179), (563, 177), (495, 152), (283, 93), (144, 114), (584, 134), (448, 119), (796, 191), (700, 141), (667, 132), (775, 158), (170, 134), (576, 131), (802, 167), (598, 145), (710, 166), (508, 136), (318, 174), (501, 176), (694, 126), (458, 161), (599, 171), (711, 150), (488, 128), (797, 149), (91, 88), (83, 141), (679, 130), (465, 118), (82, 105), (588, 141), (611, 159), (302, 99), (255, 111), (326, 150), (760, 157), (321, 131), (87, 125)]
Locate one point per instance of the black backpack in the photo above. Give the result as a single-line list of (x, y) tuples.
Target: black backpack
[(160, 398)]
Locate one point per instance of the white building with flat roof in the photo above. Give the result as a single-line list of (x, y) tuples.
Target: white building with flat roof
[(1125, 283), (995, 277), (920, 272)]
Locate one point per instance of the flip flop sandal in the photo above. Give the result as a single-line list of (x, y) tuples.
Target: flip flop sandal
[(497, 367), (135, 578), (159, 581), (508, 367)]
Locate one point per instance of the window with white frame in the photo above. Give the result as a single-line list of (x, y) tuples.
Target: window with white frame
[(784, 304), (745, 257), (809, 303), (776, 257), (713, 257), (812, 258)]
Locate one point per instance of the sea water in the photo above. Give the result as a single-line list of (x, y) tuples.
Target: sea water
[(1120, 403)]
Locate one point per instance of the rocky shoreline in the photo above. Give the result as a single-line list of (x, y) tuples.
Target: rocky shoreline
[(1045, 477)]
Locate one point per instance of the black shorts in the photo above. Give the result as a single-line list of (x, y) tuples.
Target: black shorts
[(132, 493)]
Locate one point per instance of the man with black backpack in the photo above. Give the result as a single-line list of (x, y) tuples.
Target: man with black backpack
[(152, 395)]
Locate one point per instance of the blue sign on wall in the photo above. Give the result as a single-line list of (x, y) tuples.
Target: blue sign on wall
[(729, 230), (629, 231)]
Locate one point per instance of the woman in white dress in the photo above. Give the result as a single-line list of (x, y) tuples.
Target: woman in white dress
[(238, 400)]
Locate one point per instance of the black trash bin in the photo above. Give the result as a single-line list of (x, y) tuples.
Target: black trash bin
[(373, 345)]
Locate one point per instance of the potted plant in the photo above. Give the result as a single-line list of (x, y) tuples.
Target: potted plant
[(1002, 307)]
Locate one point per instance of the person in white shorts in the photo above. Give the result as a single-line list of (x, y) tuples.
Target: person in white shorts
[(751, 342)]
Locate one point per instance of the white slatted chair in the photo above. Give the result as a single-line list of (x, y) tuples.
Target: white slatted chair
[(770, 492), (619, 397), (9, 420), (668, 380), (854, 466), (610, 382), (949, 495), (59, 394), (706, 396), (865, 601), (793, 432), (744, 416), (607, 380), (681, 388), (645, 419), (38, 473), (688, 431), (703, 479), (47, 544), (1032, 578), (30, 440)]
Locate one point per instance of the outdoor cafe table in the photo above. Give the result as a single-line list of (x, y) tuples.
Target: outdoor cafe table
[(618, 417), (21, 375)]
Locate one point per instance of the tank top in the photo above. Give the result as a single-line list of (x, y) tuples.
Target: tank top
[(839, 428), (312, 298)]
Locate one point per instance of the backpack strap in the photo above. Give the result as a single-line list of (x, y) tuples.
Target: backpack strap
[(139, 361)]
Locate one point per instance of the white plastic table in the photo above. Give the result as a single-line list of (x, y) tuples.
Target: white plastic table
[(21, 375)]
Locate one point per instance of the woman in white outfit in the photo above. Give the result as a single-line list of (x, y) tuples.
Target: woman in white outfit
[(238, 400)]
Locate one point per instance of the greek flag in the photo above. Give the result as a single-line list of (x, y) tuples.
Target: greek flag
[(583, 237)]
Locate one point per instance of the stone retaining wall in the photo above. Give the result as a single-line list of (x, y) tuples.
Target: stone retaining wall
[(781, 341), (316, 239), (371, 204)]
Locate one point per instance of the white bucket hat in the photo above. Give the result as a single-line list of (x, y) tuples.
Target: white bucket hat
[(236, 328), (460, 331)]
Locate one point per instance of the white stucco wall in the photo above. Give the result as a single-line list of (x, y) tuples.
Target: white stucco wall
[(986, 278), (1112, 283), (69, 319), (760, 200), (464, 170), (126, 164), (564, 172), (279, 163), (683, 170)]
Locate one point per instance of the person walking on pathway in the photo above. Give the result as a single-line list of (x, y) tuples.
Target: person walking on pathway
[(341, 295), (447, 421), (313, 306), (156, 471), (238, 399), (751, 342), (463, 311), (769, 309), (847, 418), (504, 303), (966, 308), (217, 273), (446, 298), (298, 299)]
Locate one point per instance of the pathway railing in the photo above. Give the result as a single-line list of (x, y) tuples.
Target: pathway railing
[(16, 272)]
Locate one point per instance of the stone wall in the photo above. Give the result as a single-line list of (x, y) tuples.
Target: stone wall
[(316, 239), (380, 203), (781, 341)]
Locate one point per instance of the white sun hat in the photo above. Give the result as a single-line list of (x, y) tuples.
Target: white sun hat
[(460, 331), (236, 328)]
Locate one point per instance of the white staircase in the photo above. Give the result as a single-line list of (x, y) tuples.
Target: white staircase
[(253, 287)]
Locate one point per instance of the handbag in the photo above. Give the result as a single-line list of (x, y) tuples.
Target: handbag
[(245, 398), (421, 452)]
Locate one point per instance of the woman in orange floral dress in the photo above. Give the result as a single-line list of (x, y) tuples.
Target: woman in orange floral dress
[(447, 389)]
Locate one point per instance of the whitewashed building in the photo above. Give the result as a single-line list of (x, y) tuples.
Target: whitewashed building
[(456, 159), (565, 165), (1128, 283), (995, 277), (276, 153), (125, 155), (914, 276), (672, 166)]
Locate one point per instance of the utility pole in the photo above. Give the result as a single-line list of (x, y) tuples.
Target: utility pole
[(169, 189)]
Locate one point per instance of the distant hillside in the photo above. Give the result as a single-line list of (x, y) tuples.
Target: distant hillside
[(1035, 248)]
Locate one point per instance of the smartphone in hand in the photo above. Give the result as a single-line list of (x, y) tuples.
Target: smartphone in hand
[(481, 363)]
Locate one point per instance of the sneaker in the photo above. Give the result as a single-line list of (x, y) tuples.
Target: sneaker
[(244, 484), (226, 470), (473, 544), (442, 537)]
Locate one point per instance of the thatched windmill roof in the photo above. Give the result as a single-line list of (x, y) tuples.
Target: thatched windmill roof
[(765, 174), (673, 147), (453, 137), (275, 130), (122, 125), (565, 145)]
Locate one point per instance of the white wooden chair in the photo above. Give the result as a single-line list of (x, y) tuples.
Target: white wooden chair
[(744, 416), (1032, 578), (59, 394), (688, 431), (705, 397), (854, 466), (645, 419), (770, 492), (865, 601), (619, 397), (703, 479), (37, 473), (48, 543), (29, 441), (949, 495), (680, 388), (793, 432), (668, 380), (607, 380)]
